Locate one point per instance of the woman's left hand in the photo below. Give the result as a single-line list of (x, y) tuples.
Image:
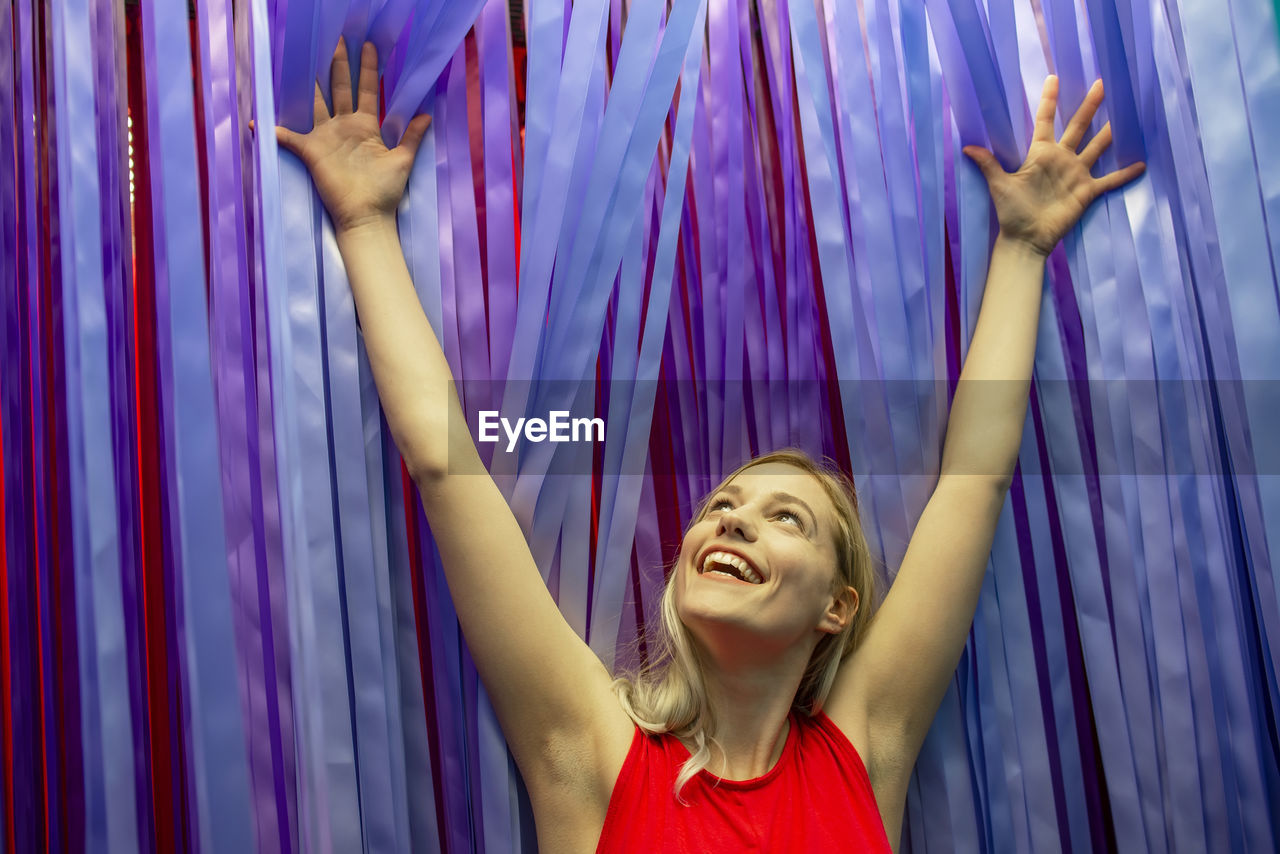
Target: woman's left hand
[(1038, 204)]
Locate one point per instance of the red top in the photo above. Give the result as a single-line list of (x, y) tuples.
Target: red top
[(817, 798)]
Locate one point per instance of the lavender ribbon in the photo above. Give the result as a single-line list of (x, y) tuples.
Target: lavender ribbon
[(437, 30), (105, 721), (1137, 582), (620, 509), (231, 327), (218, 744)]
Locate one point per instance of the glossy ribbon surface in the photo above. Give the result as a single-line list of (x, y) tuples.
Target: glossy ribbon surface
[(721, 226)]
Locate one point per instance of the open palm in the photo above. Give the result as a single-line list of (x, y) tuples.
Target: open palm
[(358, 177), (1040, 202)]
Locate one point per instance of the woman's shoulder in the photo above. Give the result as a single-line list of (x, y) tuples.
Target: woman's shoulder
[(819, 733)]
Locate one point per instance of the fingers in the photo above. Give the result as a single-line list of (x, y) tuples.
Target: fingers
[(413, 136), (368, 98), (986, 161), (285, 138), (319, 109), (1118, 178), (1096, 146), (1079, 124), (289, 140), (340, 79), (1044, 114)]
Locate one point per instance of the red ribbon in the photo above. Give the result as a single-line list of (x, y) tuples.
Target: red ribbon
[(162, 746)]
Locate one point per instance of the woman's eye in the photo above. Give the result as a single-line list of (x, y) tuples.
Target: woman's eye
[(788, 516), (720, 505)]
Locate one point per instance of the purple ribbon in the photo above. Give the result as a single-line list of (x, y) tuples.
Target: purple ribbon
[(195, 520), (495, 62), (437, 30), (620, 509), (23, 642), (1113, 567), (419, 215), (269, 581), (113, 183), (359, 588), (106, 730), (231, 327)]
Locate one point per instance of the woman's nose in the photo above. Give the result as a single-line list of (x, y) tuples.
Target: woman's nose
[(737, 522)]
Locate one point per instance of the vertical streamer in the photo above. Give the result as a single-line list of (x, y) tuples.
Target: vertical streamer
[(223, 622), (111, 817), (194, 511)]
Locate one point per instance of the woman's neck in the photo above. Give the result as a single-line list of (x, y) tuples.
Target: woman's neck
[(750, 706)]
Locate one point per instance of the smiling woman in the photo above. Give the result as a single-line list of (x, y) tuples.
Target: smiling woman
[(748, 224), (771, 668), (782, 539)]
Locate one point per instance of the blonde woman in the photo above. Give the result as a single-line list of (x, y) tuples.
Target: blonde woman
[(779, 714)]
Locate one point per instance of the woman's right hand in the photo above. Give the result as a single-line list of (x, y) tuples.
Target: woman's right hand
[(359, 179)]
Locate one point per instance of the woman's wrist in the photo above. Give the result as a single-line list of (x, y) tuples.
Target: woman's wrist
[(376, 224), (1022, 246)]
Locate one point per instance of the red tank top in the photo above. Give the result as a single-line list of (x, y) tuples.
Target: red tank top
[(816, 799)]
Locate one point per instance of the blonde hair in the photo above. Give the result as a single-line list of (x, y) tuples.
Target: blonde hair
[(669, 695)]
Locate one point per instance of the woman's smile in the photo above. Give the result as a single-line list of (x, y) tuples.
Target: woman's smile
[(724, 563)]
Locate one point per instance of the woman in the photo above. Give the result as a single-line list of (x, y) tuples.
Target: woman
[(773, 663)]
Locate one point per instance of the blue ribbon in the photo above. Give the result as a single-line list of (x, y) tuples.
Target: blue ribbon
[(620, 505), (1114, 559), (548, 187), (293, 523), (230, 322), (873, 240), (196, 521), (35, 285), (416, 758), (113, 181), (110, 807), (854, 355), (419, 215), (468, 342), (437, 30), (500, 178), (618, 176), (295, 63), (322, 685), (383, 829), (272, 597)]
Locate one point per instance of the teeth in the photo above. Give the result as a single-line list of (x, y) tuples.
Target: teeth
[(744, 569)]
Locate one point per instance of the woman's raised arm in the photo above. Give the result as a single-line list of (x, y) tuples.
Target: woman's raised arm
[(894, 681), (552, 695)]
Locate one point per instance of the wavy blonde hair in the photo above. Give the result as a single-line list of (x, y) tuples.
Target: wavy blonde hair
[(669, 695)]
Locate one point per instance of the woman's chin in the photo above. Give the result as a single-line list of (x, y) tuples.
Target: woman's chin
[(712, 614)]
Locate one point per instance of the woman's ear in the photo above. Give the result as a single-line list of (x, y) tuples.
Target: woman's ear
[(843, 608)]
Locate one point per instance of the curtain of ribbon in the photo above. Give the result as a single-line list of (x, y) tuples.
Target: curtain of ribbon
[(721, 226)]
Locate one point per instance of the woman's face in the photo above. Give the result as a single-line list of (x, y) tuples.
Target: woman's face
[(758, 567)]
